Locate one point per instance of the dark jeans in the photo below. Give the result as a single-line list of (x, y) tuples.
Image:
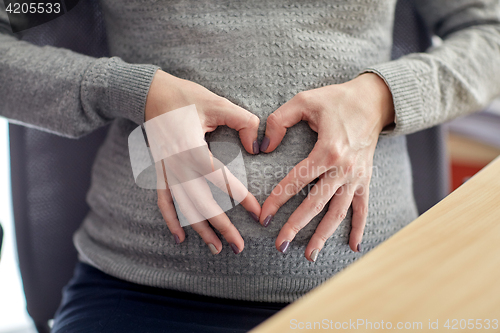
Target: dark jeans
[(96, 302)]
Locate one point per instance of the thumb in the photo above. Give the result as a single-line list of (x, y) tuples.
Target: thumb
[(246, 123), (278, 122)]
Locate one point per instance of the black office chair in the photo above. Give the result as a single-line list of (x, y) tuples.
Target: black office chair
[(50, 177), (51, 174)]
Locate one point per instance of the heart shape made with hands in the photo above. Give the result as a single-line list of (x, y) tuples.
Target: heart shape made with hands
[(172, 150)]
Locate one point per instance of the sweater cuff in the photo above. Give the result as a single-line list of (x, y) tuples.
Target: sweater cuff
[(128, 88), (406, 95)]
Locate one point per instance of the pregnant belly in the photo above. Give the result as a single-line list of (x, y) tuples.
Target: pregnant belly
[(390, 188)]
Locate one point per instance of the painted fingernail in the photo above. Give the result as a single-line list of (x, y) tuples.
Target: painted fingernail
[(267, 220), (265, 144), (256, 147), (177, 240), (358, 248), (213, 249), (234, 248), (314, 255), (254, 216), (284, 246)]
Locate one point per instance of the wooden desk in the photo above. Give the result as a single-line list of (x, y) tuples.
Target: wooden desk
[(443, 266)]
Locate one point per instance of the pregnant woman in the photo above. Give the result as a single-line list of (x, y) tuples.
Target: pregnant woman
[(307, 89)]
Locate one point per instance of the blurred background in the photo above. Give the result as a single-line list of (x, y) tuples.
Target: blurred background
[(13, 315), (472, 143)]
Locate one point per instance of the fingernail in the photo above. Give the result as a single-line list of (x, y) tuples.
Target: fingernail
[(314, 255), (256, 147), (358, 248), (255, 217), (235, 248), (177, 240), (284, 246), (267, 220), (265, 144), (213, 249)]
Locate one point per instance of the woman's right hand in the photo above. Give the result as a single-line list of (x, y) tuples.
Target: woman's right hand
[(168, 93)]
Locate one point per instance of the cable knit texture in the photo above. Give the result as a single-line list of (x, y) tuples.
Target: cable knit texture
[(258, 54)]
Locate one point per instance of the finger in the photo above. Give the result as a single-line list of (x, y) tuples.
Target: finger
[(245, 122), (229, 232), (235, 189), (227, 182), (185, 205), (359, 215), (186, 174), (318, 197), (167, 209), (301, 175), (208, 235), (196, 220), (279, 121), (200, 195), (337, 211), (199, 163), (166, 205)]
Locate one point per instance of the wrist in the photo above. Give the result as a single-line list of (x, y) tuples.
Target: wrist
[(126, 89), (161, 94), (373, 90)]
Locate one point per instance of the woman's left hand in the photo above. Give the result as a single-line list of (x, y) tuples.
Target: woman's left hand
[(348, 118)]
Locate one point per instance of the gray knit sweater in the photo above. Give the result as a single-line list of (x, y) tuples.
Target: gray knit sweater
[(258, 54)]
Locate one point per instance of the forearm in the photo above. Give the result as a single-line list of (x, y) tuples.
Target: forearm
[(455, 79), (68, 93)]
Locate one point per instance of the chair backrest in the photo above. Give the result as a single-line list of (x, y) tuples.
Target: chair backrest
[(51, 174), (427, 148)]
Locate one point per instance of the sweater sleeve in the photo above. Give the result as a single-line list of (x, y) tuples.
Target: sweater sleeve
[(457, 78), (64, 92)]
